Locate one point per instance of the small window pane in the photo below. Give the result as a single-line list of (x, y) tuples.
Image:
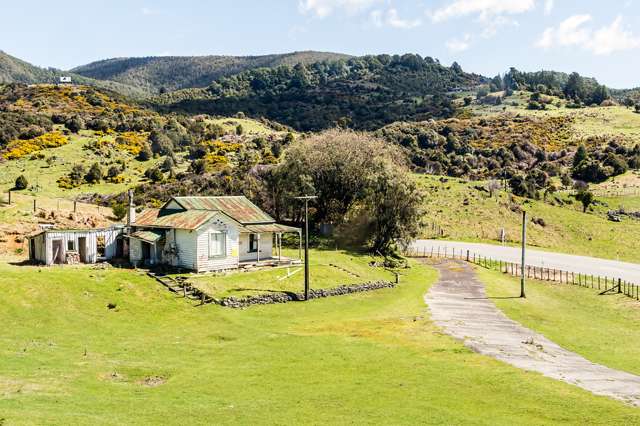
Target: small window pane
[(217, 244), (71, 245)]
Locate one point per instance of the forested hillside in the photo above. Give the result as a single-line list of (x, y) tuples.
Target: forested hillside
[(363, 93), (169, 73), (14, 70)]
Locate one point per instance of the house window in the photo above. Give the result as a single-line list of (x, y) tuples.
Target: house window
[(253, 243), (217, 244), (71, 245)]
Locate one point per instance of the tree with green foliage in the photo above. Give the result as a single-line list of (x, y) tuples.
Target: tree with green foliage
[(586, 198), (239, 130), (359, 180), (94, 175), (21, 182), (161, 144), (574, 88), (580, 155), (77, 174), (145, 153), (75, 124), (119, 210), (154, 174), (168, 164)]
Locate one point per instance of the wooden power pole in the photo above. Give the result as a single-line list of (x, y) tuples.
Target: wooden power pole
[(306, 199)]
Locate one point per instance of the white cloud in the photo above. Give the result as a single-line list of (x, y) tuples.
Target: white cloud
[(492, 25), (603, 41), (459, 44), (613, 38), (324, 8), (392, 18), (546, 39), (548, 6), (483, 9), (571, 32)]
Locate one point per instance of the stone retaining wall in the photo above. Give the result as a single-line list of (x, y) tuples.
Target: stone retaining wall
[(270, 298)]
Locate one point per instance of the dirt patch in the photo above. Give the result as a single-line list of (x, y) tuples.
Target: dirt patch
[(152, 381)]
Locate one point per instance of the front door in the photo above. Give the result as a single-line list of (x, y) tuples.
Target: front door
[(82, 249), (56, 249)]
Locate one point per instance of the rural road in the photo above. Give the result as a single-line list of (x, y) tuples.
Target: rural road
[(566, 262), (459, 305)]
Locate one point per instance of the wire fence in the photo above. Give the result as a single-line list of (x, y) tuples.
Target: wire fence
[(602, 283), (30, 203)]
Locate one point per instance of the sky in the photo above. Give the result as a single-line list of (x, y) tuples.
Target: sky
[(594, 37)]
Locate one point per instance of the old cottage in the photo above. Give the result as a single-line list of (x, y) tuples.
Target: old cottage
[(206, 234)]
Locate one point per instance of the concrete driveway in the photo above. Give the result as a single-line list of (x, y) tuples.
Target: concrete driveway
[(458, 303), (566, 262)]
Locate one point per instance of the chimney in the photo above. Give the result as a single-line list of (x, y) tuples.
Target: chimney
[(131, 215)]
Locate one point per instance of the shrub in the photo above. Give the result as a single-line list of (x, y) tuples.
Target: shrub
[(145, 153), (119, 210), (21, 182), (154, 174), (95, 174)]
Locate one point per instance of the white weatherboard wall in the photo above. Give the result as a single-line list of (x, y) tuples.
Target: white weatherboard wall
[(266, 247), (180, 248), (230, 260), (44, 243)]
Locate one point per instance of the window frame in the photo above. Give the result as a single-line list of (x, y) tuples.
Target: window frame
[(253, 241), (71, 243), (223, 253)]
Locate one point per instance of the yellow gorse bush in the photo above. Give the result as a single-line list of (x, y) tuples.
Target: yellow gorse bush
[(18, 148)]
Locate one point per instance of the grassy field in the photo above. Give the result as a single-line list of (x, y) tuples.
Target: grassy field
[(468, 214), (249, 126), (42, 174), (369, 358), (603, 329), (589, 121), (328, 269)]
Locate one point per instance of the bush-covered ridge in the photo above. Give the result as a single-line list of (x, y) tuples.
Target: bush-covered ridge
[(169, 73), (364, 93)]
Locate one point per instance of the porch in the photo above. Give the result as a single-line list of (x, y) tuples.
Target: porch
[(261, 245)]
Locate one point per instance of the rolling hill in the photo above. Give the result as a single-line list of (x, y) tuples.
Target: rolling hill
[(363, 93), (14, 70), (169, 73)]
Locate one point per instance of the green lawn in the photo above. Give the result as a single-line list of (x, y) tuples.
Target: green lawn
[(369, 358), (468, 214), (603, 329), (328, 268)]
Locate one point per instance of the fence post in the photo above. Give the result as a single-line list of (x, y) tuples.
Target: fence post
[(9, 197), (619, 285), (75, 206), (467, 255)]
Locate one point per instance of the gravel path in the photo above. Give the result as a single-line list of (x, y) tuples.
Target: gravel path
[(566, 262), (458, 304)]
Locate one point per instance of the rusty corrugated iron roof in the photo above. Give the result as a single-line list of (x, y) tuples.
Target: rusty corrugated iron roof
[(148, 236), (187, 219), (271, 227), (236, 207)]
